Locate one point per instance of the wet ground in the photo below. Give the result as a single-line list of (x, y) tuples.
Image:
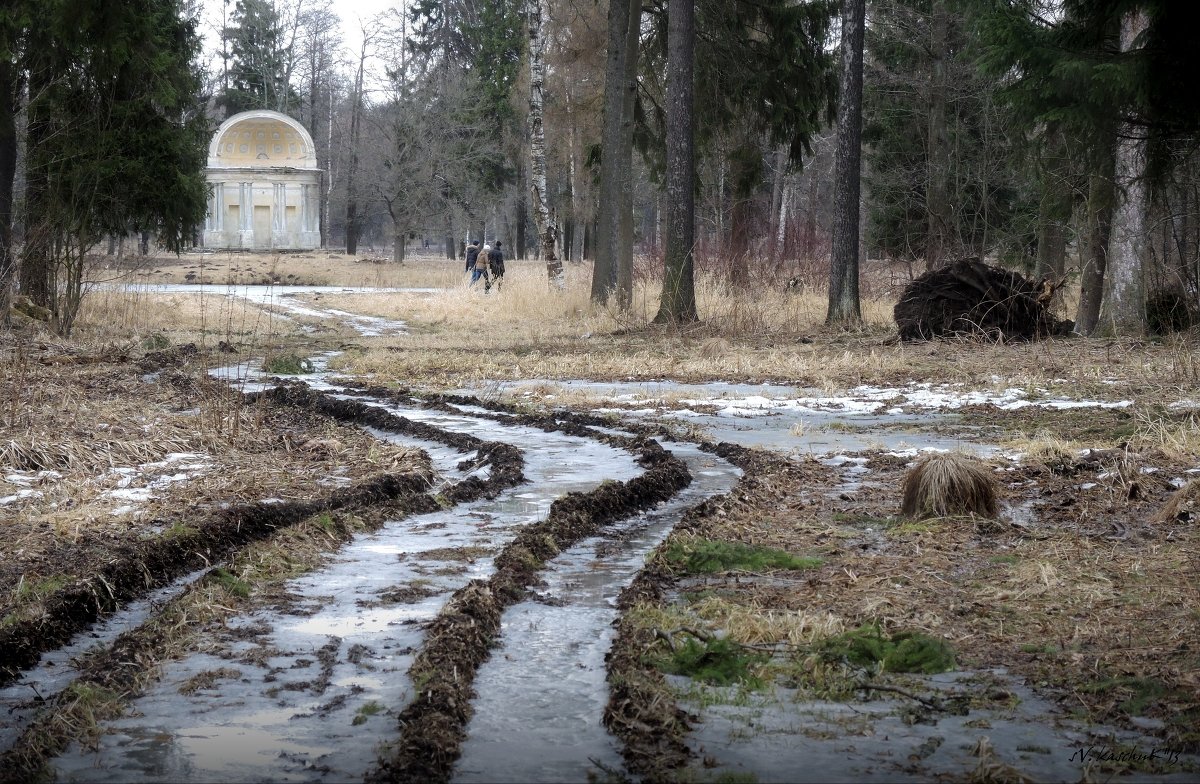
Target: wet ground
[(305, 683)]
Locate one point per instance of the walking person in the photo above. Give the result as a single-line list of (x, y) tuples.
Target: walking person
[(496, 264), (472, 255), (480, 269)]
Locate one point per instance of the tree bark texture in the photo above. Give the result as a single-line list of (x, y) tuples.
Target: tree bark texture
[(937, 187), (1054, 208), (352, 219), (1123, 310), (574, 246), (624, 16), (8, 170), (1094, 254), (36, 265), (679, 295), (844, 261), (543, 214), (624, 250)]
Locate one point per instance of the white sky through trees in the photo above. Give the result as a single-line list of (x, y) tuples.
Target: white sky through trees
[(353, 14)]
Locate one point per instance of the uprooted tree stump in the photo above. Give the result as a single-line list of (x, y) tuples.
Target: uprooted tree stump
[(969, 297)]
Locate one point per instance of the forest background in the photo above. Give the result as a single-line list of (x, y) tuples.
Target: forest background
[(1054, 137)]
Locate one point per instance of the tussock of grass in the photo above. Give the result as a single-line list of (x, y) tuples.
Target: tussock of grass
[(365, 711), (706, 556), (233, 585), (156, 341), (754, 625), (949, 483)]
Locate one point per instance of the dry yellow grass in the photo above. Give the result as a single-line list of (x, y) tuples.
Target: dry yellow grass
[(529, 330)]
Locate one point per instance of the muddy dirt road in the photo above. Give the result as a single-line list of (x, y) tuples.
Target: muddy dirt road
[(539, 523), (581, 584)]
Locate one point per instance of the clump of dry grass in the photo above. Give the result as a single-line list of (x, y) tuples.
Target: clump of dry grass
[(947, 484), (1184, 504)]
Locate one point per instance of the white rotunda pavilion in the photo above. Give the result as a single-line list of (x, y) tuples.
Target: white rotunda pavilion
[(262, 168)]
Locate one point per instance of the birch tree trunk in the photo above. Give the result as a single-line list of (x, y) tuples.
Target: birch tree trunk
[(1123, 311), (543, 215), (843, 272), (679, 294)]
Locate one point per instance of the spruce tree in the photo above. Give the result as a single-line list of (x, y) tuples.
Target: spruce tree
[(116, 142)]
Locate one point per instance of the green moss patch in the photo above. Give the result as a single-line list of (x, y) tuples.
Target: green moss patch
[(706, 556), (288, 365), (868, 646), (1139, 693), (716, 662), (234, 586)]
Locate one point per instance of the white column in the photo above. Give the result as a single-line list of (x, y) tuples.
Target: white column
[(304, 225), (219, 206), (246, 214), (247, 210)]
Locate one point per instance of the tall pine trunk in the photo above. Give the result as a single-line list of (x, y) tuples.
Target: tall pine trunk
[(844, 262), (8, 169), (937, 187), (37, 264), (679, 295), (352, 219), (578, 217), (1123, 311), (616, 175)]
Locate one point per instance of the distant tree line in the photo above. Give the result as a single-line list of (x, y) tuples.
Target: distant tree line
[(1055, 136)]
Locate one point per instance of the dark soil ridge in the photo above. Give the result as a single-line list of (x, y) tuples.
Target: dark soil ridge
[(122, 670), (505, 460), (433, 725), (573, 423), (641, 711), (136, 568)]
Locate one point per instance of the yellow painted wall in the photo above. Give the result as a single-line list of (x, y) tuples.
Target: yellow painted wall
[(262, 143)]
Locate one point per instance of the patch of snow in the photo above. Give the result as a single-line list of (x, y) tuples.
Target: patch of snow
[(23, 493), (130, 494)]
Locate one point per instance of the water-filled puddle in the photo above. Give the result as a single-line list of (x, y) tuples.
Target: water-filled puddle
[(543, 690), (799, 420), (308, 680), (285, 299)]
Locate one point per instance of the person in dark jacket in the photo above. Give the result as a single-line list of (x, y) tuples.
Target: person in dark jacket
[(495, 265), (472, 254)]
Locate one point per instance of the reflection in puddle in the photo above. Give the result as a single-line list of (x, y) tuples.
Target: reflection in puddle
[(544, 690), (317, 670)]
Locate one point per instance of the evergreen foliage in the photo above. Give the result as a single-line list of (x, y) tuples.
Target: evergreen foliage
[(990, 206), (482, 37), (115, 144), (257, 78), (1069, 71), (765, 65)]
